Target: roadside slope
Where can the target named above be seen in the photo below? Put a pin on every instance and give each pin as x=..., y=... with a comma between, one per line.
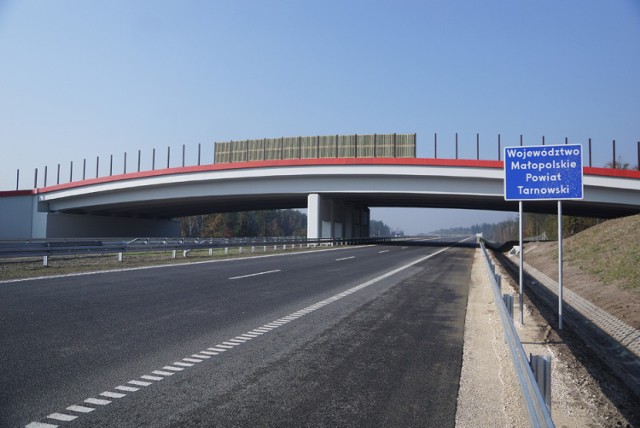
x=601, y=264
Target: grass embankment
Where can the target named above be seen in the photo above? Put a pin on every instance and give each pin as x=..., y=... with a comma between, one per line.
x=610, y=251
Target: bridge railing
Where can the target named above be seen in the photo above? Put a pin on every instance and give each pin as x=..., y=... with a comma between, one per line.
x=382, y=145
x=539, y=414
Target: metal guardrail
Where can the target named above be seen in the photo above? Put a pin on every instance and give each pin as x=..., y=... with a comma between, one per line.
x=47, y=248
x=539, y=414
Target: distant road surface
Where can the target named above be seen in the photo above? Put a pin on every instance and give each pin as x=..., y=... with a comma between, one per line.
x=359, y=336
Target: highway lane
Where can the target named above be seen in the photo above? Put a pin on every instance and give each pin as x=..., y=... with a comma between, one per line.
x=67, y=340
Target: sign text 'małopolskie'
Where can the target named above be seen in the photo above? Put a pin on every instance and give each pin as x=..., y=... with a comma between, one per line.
x=543, y=172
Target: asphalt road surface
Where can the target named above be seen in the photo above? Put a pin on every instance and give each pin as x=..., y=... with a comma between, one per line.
x=365, y=336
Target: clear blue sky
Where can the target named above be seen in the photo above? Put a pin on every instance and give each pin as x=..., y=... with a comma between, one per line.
x=80, y=79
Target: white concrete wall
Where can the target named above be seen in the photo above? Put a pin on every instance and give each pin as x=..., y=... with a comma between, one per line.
x=16, y=216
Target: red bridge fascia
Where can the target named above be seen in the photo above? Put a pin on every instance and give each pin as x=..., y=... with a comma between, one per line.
x=492, y=164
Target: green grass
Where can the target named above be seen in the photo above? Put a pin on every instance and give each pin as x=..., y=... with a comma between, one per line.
x=610, y=250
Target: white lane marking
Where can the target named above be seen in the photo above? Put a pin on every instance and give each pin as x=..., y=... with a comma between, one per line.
x=62, y=417
x=248, y=336
x=153, y=378
x=163, y=373
x=110, y=394
x=209, y=352
x=173, y=369
x=192, y=360
x=98, y=401
x=383, y=251
x=255, y=274
x=80, y=409
x=404, y=248
x=139, y=383
x=238, y=341
x=126, y=388
x=345, y=258
x=228, y=345
x=202, y=357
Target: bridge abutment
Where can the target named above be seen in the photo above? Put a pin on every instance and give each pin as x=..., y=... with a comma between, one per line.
x=329, y=218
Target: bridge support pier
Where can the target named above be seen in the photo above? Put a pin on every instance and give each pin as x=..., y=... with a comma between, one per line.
x=329, y=218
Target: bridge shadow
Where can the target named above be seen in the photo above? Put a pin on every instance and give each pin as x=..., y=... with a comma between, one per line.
x=432, y=243
x=614, y=368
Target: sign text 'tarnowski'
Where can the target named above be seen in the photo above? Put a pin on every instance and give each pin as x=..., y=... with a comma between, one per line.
x=543, y=172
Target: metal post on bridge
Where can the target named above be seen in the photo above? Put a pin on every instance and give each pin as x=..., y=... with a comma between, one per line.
x=435, y=145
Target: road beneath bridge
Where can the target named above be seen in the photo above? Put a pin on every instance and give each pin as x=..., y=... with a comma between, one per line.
x=357, y=336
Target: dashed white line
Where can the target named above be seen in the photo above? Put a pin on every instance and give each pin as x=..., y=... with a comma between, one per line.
x=181, y=364
x=345, y=258
x=40, y=425
x=154, y=378
x=192, y=360
x=126, y=388
x=110, y=394
x=255, y=274
x=162, y=373
x=62, y=417
x=217, y=349
x=98, y=401
x=383, y=251
x=202, y=357
x=139, y=383
x=80, y=409
x=173, y=369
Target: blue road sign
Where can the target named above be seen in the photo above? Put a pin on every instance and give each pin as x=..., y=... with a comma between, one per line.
x=543, y=172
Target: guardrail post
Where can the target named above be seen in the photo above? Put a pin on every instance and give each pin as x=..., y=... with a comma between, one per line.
x=508, y=302
x=541, y=368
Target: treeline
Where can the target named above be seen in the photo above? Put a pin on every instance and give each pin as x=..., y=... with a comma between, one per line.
x=256, y=224
x=542, y=226
x=259, y=224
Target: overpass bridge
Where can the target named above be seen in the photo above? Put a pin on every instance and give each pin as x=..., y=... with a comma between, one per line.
x=337, y=193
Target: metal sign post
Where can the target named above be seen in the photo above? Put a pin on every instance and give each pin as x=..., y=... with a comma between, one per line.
x=536, y=173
